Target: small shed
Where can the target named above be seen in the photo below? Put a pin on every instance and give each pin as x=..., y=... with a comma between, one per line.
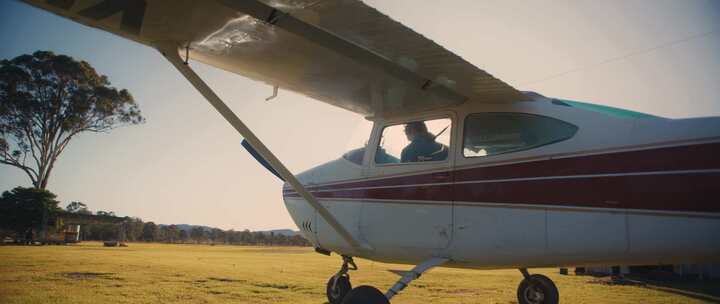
x=72, y=233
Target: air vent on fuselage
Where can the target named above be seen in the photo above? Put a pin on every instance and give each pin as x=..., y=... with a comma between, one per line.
x=307, y=226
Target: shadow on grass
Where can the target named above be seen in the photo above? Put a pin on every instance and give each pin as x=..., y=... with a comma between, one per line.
x=91, y=275
x=705, y=290
x=226, y=280
x=701, y=290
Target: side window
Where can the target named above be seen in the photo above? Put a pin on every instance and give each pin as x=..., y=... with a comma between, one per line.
x=496, y=133
x=416, y=141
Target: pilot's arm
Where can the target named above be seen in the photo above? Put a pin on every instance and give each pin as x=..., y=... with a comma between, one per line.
x=409, y=154
x=403, y=155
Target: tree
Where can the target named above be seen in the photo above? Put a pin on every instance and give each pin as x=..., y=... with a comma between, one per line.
x=100, y=231
x=150, y=232
x=217, y=235
x=105, y=213
x=183, y=235
x=45, y=101
x=246, y=237
x=197, y=233
x=259, y=238
x=77, y=207
x=24, y=209
x=171, y=234
x=134, y=229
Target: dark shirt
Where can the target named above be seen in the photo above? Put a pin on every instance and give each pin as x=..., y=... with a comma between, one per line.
x=423, y=148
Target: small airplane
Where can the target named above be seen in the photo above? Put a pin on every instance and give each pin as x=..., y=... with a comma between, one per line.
x=460, y=169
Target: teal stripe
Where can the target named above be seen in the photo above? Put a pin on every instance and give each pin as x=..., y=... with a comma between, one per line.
x=615, y=112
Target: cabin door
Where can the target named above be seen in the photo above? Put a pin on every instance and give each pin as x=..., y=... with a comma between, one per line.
x=408, y=193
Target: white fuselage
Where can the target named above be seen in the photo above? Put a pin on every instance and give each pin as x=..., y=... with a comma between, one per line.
x=620, y=191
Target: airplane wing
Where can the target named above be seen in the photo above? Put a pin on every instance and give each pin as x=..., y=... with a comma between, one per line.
x=341, y=52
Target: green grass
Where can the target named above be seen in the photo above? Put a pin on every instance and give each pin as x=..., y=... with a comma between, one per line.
x=157, y=273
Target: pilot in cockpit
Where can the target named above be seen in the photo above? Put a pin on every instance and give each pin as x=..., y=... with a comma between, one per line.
x=422, y=146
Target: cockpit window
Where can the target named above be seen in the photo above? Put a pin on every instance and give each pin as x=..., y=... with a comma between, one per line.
x=496, y=133
x=415, y=141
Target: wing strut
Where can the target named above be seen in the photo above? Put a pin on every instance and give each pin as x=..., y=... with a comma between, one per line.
x=170, y=51
x=408, y=276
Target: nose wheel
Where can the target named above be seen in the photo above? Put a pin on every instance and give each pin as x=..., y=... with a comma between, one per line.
x=365, y=295
x=338, y=286
x=537, y=289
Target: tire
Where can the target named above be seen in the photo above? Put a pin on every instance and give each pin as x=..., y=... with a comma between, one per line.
x=538, y=289
x=342, y=288
x=365, y=295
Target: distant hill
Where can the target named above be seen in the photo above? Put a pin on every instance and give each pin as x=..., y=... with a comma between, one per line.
x=188, y=227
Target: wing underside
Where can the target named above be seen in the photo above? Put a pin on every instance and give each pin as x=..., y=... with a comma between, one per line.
x=341, y=52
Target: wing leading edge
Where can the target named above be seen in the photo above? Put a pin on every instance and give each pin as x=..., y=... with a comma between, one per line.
x=341, y=52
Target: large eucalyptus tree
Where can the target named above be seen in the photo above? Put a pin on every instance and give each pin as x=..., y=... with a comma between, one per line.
x=48, y=99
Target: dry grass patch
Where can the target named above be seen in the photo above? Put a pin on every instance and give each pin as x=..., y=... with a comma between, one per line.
x=158, y=273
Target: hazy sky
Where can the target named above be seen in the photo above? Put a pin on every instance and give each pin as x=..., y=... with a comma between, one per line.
x=186, y=165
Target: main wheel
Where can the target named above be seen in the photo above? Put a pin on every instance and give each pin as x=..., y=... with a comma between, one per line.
x=538, y=289
x=365, y=295
x=341, y=289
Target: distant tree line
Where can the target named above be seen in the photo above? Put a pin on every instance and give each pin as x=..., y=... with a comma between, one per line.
x=136, y=230
x=23, y=211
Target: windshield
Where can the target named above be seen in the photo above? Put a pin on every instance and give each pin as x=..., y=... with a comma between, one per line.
x=357, y=141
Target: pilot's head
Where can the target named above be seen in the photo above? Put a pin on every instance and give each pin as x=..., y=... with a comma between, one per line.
x=415, y=129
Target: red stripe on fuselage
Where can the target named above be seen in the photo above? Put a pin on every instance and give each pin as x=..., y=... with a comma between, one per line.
x=695, y=192
x=695, y=157
x=566, y=182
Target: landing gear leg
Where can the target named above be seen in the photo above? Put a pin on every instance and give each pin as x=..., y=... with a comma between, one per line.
x=537, y=289
x=371, y=295
x=339, y=285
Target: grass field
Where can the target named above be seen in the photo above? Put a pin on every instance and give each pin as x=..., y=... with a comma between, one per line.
x=158, y=273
